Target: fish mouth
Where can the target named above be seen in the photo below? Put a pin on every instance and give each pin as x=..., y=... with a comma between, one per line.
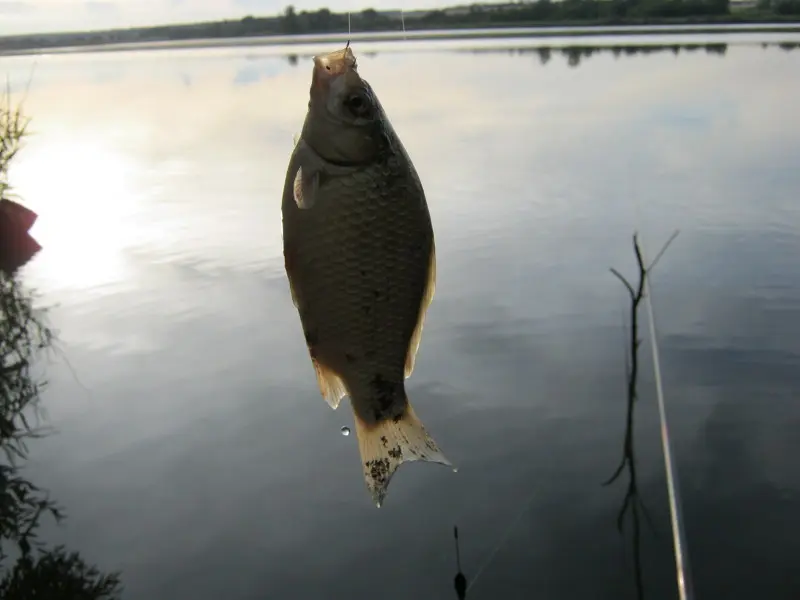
x=335, y=63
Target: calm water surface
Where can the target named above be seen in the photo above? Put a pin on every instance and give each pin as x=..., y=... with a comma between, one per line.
x=194, y=451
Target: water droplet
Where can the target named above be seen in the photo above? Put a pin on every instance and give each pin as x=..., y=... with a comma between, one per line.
x=345, y=431
x=455, y=469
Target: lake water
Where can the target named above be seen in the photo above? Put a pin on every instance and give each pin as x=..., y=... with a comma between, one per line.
x=194, y=452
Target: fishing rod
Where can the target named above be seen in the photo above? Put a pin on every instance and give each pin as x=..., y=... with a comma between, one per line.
x=685, y=587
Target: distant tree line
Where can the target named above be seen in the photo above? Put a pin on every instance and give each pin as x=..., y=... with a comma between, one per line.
x=517, y=13
x=780, y=7
x=539, y=12
x=583, y=10
x=523, y=13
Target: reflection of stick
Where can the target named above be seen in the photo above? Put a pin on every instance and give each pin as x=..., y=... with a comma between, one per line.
x=632, y=499
x=458, y=554
x=460, y=582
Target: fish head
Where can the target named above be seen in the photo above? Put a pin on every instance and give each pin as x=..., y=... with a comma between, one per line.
x=344, y=120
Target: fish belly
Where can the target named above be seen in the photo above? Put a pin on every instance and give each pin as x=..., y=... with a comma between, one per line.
x=358, y=264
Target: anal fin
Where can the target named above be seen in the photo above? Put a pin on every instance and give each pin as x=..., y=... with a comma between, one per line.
x=330, y=384
x=427, y=298
x=387, y=444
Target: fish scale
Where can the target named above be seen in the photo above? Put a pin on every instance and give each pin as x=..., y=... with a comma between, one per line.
x=346, y=261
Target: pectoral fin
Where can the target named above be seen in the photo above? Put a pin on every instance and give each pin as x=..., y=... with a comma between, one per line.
x=306, y=185
x=310, y=167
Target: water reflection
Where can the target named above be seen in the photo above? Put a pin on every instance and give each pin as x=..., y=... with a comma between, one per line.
x=28, y=567
x=91, y=205
x=577, y=53
x=460, y=580
x=632, y=502
x=187, y=457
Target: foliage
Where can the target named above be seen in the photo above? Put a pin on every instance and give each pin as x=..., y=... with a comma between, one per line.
x=12, y=130
x=37, y=572
x=57, y=574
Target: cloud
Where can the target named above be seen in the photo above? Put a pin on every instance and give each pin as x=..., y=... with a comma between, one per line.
x=35, y=16
x=14, y=7
x=40, y=16
x=105, y=7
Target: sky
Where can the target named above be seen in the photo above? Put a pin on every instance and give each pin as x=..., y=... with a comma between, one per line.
x=37, y=16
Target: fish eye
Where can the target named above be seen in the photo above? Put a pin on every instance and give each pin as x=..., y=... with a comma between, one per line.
x=357, y=105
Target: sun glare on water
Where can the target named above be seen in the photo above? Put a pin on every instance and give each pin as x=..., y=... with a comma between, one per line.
x=83, y=192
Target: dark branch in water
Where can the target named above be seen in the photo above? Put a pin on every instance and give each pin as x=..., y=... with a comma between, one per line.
x=631, y=500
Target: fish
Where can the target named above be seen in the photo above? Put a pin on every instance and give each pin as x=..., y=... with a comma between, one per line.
x=360, y=260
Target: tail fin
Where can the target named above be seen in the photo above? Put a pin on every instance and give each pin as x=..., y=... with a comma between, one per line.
x=387, y=444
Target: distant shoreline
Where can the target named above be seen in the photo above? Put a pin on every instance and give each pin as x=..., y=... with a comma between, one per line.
x=457, y=32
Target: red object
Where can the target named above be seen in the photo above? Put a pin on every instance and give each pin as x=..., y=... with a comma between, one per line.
x=24, y=217
x=17, y=247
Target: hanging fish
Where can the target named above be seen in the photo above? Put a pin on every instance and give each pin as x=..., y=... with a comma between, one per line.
x=360, y=258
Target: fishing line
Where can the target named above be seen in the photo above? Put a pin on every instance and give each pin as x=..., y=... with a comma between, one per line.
x=685, y=588
x=503, y=539
x=403, y=19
